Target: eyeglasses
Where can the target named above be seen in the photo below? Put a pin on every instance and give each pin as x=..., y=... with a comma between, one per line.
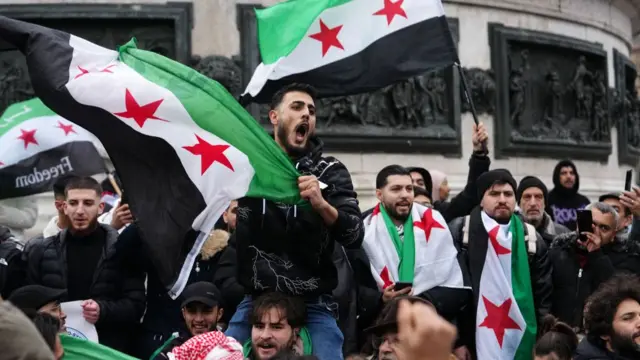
x=379, y=340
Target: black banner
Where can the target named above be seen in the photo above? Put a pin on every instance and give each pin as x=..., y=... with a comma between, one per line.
x=38, y=173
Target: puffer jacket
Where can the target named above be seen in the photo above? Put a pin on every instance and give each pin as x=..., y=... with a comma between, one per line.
x=117, y=287
x=576, y=274
x=594, y=349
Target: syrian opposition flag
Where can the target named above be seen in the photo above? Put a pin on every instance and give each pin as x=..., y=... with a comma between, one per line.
x=181, y=144
x=37, y=147
x=80, y=349
x=344, y=47
x=425, y=256
x=506, y=319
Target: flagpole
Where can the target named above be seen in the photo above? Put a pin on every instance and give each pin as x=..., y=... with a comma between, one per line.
x=465, y=89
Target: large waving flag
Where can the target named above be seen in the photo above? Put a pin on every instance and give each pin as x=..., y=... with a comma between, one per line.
x=182, y=146
x=80, y=349
x=37, y=147
x=348, y=46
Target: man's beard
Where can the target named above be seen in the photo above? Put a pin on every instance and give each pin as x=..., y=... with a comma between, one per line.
x=391, y=210
x=535, y=220
x=292, y=151
x=288, y=347
x=625, y=345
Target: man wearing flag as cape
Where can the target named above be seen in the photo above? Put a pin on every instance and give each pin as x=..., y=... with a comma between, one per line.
x=509, y=269
x=411, y=244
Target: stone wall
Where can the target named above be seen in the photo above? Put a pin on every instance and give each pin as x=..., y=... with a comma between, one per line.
x=607, y=23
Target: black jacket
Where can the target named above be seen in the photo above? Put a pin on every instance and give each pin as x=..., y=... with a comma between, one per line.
x=117, y=287
x=549, y=230
x=576, y=275
x=467, y=199
x=563, y=203
x=163, y=316
x=624, y=254
x=474, y=256
x=289, y=248
x=594, y=349
x=12, y=266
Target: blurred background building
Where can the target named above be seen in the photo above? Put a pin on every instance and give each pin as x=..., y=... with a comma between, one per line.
x=552, y=79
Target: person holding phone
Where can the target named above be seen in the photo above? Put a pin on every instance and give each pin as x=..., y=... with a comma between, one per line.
x=580, y=263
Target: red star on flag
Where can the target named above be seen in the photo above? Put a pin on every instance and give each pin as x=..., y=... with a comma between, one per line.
x=328, y=37
x=428, y=223
x=140, y=114
x=209, y=154
x=493, y=237
x=386, y=279
x=498, y=318
x=68, y=129
x=391, y=9
x=28, y=136
x=85, y=72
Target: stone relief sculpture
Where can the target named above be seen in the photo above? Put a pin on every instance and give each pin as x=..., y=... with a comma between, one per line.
x=518, y=88
x=221, y=69
x=482, y=86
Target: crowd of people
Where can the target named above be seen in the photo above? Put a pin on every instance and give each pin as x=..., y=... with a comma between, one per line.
x=501, y=270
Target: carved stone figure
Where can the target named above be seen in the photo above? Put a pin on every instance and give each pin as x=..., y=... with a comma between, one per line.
x=581, y=78
x=345, y=108
x=430, y=96
x=553, y=109
x=482, y=86
x=221, y=69
x=14, y=84
x=517, y=90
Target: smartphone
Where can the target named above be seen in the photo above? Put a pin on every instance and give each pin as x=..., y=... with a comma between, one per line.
x=402, y=285
x=627, y=181
x=124, y=199
x=585, y=223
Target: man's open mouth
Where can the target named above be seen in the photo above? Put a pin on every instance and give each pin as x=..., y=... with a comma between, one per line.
x=301, y=131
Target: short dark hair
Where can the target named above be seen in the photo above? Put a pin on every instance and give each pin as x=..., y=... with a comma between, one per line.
x=84, y=183
x=603, y=304
x=418, y=191
x=61, y=184
x=276, y=99
x=292, y=308
x=47, y=325
x=383, y=175
x=556, y=337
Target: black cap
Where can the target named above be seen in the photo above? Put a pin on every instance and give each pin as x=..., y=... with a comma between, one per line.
x=35, y=296
x=202, y=292
x=531, y=182
x=388, y=319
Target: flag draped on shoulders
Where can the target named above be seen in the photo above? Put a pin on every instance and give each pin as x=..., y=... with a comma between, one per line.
x=37, y=147
x=425, y=255
x=505, y=319
x=344, y=47
x=182, y=146
x=80, y=349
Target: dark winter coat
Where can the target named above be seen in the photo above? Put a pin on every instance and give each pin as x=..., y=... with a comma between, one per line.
x=290, y=248
x=163, y=316
x=594, y=349
x=117, y=288
x=576, y=275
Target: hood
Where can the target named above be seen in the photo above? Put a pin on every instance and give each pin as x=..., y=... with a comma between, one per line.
x=564, y=241
x=556, y=177
x=217, y=241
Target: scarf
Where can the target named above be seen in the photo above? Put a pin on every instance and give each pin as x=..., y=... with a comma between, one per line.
x=425, y=257
x=213, y=345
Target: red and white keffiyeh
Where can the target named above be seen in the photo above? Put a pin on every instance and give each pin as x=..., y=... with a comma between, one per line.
x=210, y=346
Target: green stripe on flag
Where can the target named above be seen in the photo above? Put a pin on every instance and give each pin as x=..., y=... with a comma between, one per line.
x=21, y=112
x=281, y=27
x=522, y=289
x=215, y=110
x=79, y=349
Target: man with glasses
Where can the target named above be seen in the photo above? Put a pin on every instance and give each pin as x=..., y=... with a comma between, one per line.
x=581, y=261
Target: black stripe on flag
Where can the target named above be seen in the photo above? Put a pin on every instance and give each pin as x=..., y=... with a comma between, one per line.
x=411, y=51
x=163, y=199
x=38, y=173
